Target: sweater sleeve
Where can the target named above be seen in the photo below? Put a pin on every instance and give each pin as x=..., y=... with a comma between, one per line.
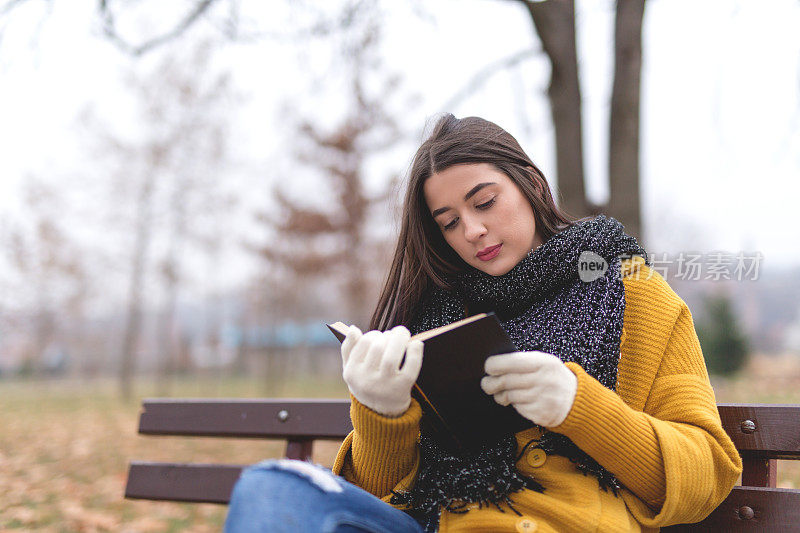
x=674, y=458
x=381, y=453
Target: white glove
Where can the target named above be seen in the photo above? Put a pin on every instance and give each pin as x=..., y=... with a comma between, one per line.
x=371, y=368
x=539, y=386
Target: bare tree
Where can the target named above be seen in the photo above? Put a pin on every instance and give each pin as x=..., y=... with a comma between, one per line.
x=554, y=21
x=332, y=241
x=199, y=149
x=173, y=171
x=51, y=268
x=623, y=150
x=143, y=230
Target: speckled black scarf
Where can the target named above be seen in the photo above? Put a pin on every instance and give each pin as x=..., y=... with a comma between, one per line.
x=543, y=305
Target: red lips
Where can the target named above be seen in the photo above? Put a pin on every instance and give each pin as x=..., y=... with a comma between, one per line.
x=489, y=253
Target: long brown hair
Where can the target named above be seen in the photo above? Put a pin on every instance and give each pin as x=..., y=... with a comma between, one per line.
x=423, y=258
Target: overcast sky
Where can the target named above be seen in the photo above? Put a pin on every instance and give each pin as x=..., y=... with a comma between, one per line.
x=720, y=102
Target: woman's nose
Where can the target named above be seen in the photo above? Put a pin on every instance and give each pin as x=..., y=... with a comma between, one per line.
x=473, y=229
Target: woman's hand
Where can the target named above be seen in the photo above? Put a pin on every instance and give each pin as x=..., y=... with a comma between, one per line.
x=539, y=386
x=371, y=368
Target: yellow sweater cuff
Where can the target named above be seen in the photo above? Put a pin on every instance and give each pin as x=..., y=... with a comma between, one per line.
x=382, y=434
x=382, y=450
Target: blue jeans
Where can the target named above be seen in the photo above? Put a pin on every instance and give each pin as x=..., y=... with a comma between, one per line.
x=298, y=497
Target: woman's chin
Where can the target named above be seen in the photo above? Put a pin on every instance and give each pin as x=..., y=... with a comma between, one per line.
x=494, y=268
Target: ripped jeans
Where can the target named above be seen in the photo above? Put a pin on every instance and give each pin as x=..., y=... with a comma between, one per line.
x=299, y=497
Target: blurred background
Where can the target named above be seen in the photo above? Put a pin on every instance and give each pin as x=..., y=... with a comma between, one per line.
x=190, y=190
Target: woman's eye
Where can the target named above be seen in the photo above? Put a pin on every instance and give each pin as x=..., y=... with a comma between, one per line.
x=486, y=205
x=451, y=224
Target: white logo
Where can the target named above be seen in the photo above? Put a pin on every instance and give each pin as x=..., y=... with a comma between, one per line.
x=591, y=266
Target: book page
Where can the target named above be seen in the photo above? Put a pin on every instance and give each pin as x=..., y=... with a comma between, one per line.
x=436, y=331
x=342, y=328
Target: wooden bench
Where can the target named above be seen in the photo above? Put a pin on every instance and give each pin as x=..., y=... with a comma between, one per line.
x=761, y=433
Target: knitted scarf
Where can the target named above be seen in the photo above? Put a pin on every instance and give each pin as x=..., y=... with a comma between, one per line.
x=545, y=306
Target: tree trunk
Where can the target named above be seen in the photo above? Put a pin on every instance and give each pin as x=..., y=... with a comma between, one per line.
x=554, y=21
x=623, y=157
x=171, y=279
x=134, y=320
x=166, y=346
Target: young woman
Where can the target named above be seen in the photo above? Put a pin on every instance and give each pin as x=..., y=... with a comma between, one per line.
x=624, y=434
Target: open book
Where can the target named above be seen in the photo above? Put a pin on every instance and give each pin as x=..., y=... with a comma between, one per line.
x=448, y=387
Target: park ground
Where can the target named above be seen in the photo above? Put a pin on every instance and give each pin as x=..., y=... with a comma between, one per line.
x=65, y=446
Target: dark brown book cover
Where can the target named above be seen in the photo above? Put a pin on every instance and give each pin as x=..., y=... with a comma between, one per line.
x=448, y=386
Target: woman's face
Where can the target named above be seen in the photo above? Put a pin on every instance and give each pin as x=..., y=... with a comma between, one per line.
x=483, y=216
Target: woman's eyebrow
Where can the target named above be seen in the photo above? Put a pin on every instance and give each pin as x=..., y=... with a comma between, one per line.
x=472, y=192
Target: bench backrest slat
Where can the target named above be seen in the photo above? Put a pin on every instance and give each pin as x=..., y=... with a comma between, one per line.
x=269, y=418
x=774, y=433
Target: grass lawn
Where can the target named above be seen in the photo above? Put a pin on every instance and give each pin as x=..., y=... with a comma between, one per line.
x=65, y=445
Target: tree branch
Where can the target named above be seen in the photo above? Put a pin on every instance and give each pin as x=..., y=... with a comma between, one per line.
x=483, y=75
x=110, y=30
x=9, y=5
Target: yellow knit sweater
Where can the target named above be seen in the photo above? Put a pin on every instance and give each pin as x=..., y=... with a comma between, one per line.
x=660, y=434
